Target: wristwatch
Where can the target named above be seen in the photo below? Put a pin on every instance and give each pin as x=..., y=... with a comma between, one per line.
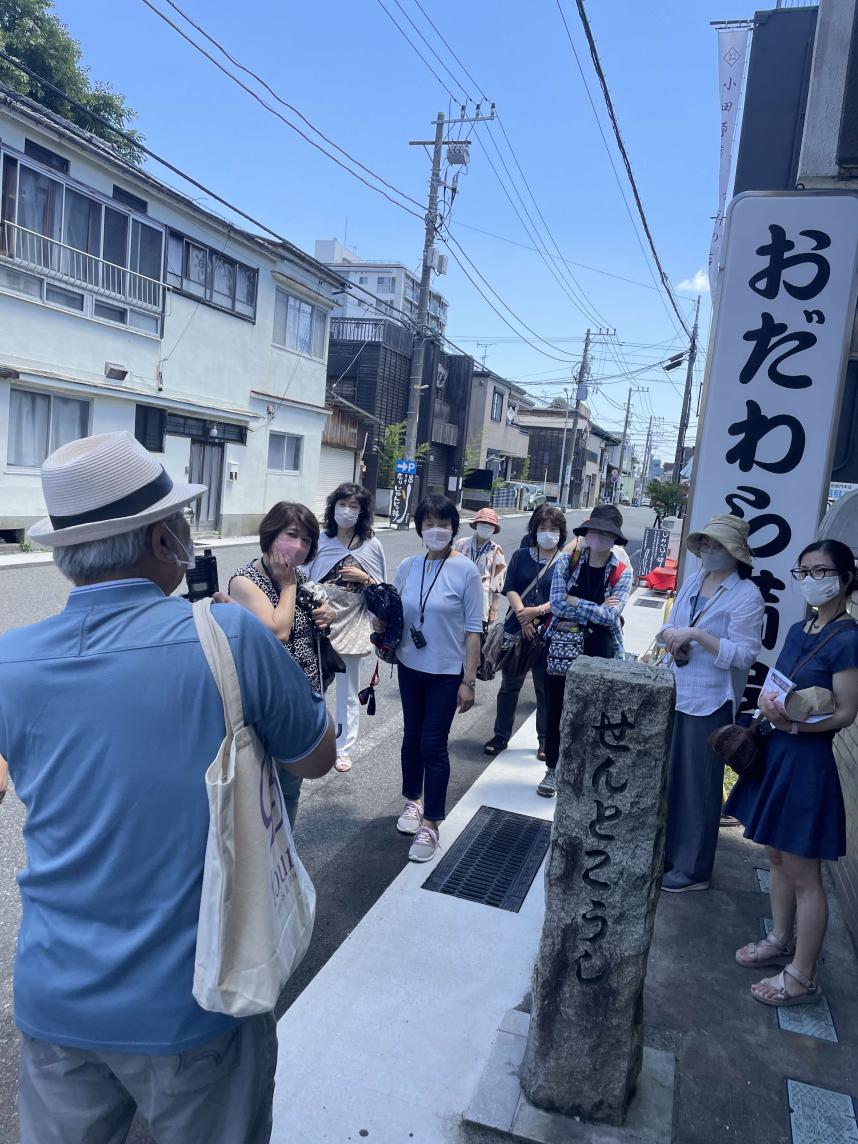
x=470, y=683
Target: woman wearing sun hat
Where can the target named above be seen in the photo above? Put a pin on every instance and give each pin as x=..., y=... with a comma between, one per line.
x=714, y=634
x=488, y=556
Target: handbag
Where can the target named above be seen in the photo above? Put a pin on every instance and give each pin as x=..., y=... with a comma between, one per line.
x=366, y=695
x=565, y=644
x=742, y=746
x=258, y=903
x=495, y=649
x=331, y=662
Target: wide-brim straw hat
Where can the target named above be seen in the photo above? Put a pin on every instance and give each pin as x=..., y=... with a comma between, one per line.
x=103, y=486
x=604, y=518
x=486, y=516
x=730, y=531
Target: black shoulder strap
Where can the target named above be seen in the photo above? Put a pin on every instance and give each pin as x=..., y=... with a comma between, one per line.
x=833, y=631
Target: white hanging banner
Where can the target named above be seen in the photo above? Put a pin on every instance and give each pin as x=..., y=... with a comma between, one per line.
x=774, y=376
x=732, y=49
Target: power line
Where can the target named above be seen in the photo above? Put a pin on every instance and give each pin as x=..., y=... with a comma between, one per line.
x=274, y=111
x=434, y=53
x=285, y=103
x=597, y=64
x=405, y=36
x=450, y=50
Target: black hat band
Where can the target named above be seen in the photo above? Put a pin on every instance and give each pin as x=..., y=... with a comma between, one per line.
x=131, y=505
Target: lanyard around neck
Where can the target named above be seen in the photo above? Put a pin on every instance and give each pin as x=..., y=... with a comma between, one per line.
x=424, y=599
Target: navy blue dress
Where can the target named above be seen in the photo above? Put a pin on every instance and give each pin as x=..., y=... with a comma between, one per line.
x=795, y=802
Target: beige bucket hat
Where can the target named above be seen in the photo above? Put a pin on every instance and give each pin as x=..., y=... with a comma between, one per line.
x=103, y=486
x=730, y=531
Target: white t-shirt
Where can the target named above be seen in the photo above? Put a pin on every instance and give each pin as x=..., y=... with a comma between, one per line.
x=454, y=607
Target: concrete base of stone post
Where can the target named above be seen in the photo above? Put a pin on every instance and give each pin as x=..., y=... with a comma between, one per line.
x=585, y=1042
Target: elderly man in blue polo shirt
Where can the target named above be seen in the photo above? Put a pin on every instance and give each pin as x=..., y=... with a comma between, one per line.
x=109, y=717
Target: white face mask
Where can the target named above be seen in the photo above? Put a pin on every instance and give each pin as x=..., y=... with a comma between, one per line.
x=437, y=539
x=346, y=517
x=716, y=560
x=818, y=592
x=188, y=560
x=548, y=539
x=484, y=531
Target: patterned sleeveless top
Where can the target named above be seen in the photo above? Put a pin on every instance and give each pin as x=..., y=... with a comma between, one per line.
x=301, y=644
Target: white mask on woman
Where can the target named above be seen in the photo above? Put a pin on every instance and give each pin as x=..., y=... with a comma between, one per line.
x=818, y=592
x=437, y=539
x=548, y=539
x=484, y=531
x=346, y=517
x=716, y=560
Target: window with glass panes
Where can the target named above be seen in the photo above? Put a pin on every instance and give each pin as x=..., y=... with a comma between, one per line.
x=210, y=275
x=284, y=452
x=40, y=422
x=298, y=325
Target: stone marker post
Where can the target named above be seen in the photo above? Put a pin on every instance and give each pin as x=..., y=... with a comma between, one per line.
x=585, y=1044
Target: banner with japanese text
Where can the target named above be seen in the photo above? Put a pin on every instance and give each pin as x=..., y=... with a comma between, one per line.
x=774, y=376
x=732, y=50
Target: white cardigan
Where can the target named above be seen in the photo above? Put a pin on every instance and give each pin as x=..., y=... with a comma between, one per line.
x=735, y=616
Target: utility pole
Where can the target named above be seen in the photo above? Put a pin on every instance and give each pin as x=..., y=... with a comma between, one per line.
x=686, y=397
x=416, y=379
x=618, y=486
x=647, y=458
x=562, y=481
x=583, y=372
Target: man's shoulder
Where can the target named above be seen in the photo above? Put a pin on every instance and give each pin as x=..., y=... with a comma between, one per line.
x=27, y=643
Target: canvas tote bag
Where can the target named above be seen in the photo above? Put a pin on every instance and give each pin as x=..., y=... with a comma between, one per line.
x=258, y=903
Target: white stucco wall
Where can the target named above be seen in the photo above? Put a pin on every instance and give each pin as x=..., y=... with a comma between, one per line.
x=206, y=364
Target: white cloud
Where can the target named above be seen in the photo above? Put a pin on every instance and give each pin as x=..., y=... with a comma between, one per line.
x=699, y=284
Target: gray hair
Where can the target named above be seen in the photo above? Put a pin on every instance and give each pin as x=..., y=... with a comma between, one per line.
x=97, y=559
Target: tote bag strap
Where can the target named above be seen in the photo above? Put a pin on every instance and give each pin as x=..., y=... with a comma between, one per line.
x=835, y=630
x=219, y=657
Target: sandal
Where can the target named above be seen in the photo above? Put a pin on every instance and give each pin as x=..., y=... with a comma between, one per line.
x=812, y=993
x=769, y=951
x=540, y=754
x=343, y=764
x=495, y=745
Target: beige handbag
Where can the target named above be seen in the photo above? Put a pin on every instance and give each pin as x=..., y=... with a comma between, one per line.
x=258, y=903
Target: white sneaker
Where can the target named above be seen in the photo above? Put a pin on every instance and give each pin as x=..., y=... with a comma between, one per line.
x=424, y=845
x=410, y=819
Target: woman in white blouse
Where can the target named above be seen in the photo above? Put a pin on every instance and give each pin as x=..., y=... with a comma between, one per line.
x=714, y=634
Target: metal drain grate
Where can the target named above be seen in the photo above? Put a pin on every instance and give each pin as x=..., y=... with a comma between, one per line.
x=494, y=860
x=649, y=603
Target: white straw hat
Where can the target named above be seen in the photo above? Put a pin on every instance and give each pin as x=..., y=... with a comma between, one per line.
x=103, y=486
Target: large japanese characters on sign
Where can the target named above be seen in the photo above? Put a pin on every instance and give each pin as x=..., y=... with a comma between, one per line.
x=773, y=382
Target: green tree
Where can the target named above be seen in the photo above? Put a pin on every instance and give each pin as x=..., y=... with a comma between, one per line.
x=666, y=498
x=525, y=469
x=31, y=33
x=391, y=449
x=472, y=458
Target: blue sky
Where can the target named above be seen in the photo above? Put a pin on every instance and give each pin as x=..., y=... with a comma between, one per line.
x=348, y=69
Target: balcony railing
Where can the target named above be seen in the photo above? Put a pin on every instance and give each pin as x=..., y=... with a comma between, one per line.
x=61, y=263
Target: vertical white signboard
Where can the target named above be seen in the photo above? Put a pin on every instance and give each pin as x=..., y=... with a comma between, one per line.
x=732, y=50
x=783, y=323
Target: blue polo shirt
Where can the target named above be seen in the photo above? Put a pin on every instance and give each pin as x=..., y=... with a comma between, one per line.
x=109, y=718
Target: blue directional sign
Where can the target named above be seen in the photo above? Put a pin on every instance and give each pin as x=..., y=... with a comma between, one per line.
x=407, y=467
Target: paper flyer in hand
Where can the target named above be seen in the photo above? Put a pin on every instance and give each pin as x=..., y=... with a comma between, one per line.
x=782, y=685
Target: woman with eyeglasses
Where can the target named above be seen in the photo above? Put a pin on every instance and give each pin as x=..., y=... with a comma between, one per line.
x=793, y=803
x=714, y=634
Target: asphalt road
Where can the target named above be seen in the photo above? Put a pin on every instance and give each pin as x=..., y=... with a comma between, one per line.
x=346, y=823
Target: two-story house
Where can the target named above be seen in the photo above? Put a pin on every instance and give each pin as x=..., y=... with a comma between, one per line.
x=126, y=305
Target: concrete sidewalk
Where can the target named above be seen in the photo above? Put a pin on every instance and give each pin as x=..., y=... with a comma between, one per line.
x=390, y=1038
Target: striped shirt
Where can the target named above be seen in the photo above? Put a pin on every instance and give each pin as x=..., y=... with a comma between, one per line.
x=734, y=614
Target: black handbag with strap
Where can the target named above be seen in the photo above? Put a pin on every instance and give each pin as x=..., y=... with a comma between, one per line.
x=741, y=746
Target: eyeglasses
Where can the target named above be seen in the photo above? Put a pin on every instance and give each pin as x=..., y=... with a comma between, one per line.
x=817, y=573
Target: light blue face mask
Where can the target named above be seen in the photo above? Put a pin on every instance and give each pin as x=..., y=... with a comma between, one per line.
x=189, y=558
